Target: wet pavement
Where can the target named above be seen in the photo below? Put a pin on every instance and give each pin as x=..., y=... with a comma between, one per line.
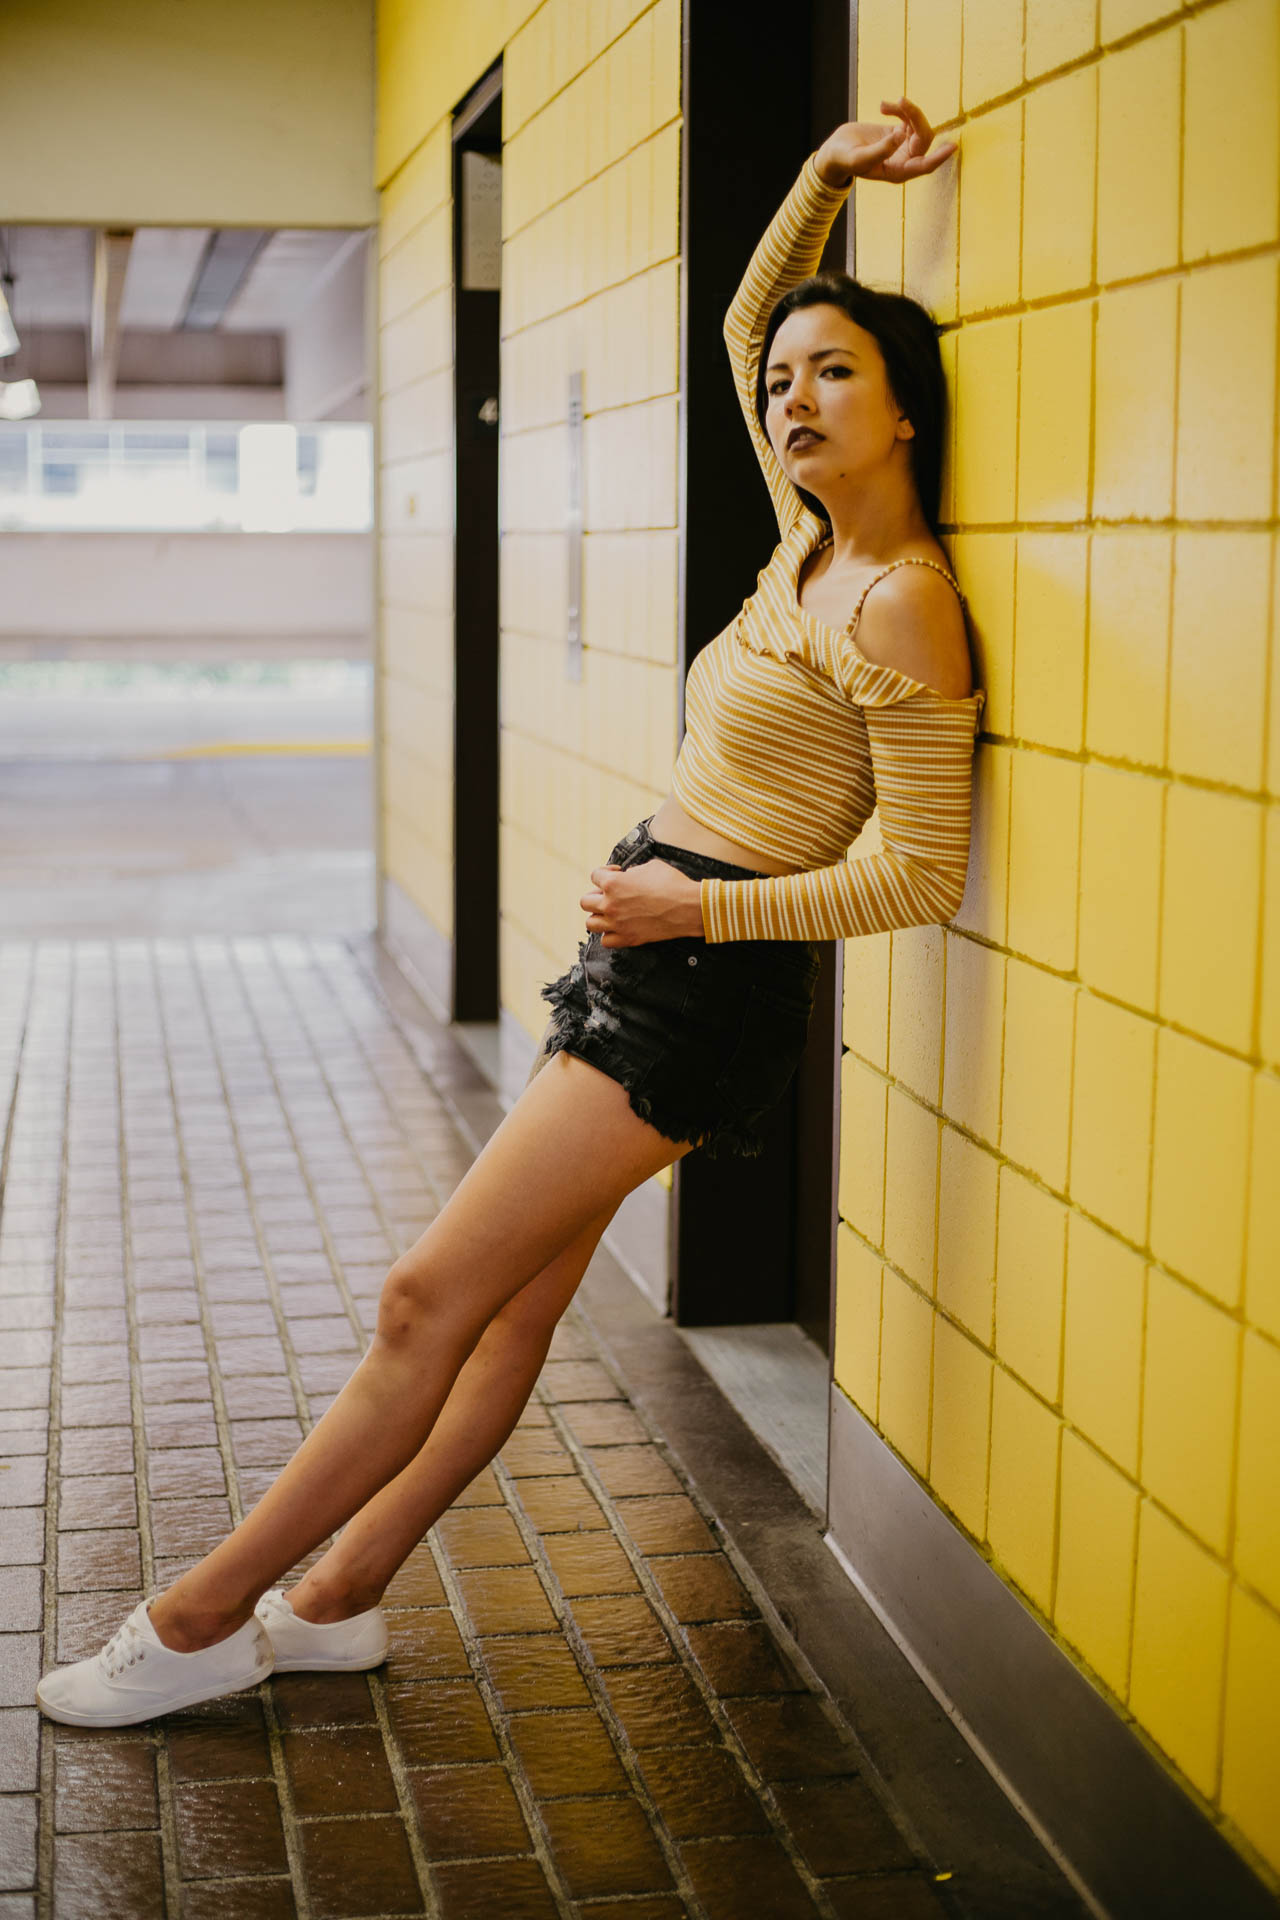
x=214, y=1149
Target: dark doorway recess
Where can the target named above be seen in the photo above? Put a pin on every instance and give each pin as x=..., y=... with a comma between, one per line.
x=477, y=130
x=753, y=1239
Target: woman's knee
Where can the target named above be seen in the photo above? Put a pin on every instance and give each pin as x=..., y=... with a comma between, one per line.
x=412, y=1303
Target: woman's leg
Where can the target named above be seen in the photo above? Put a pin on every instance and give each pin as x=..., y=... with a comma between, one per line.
x=570, y=1150
x=487, y=1400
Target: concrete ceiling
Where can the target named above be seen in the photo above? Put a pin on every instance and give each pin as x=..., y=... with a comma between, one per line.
x=53, y=277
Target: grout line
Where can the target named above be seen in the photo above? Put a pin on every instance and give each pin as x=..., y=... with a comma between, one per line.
x=166, y=1809
x=49, y=1623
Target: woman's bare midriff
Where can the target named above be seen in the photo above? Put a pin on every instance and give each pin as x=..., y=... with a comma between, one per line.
x=672, y=824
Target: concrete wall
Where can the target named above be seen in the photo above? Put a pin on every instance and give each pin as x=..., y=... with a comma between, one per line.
x=65, y=586
x=215, y=113
x=1059, y=1293
x=326, y=361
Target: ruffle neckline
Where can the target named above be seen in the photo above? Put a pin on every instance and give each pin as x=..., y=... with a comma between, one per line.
x=828, y=651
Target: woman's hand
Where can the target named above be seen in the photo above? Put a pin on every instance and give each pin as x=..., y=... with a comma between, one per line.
x=866, y=150
x=630, y=906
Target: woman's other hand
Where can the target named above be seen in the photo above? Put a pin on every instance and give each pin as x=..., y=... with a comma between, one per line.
x=629, y=906
x=866, y=150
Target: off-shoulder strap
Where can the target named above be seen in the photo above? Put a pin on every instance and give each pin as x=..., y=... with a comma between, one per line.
x=911, y=560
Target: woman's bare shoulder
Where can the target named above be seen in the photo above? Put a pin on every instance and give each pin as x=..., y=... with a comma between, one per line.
x=912, y=620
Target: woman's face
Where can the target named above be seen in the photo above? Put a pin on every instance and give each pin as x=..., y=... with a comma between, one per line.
x=831, y=414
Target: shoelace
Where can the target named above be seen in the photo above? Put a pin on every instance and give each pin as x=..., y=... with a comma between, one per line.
x=124, y=1649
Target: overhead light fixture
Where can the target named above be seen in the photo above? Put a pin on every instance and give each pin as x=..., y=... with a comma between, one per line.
x=8, y=332
x=19, y=399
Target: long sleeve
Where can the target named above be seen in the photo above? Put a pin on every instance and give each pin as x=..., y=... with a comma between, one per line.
x=922, y=759
x=790, y=250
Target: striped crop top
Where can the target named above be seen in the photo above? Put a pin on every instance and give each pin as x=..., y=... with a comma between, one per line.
x=793, y=737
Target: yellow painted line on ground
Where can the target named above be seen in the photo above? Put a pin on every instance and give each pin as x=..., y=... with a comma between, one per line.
x=214, y=749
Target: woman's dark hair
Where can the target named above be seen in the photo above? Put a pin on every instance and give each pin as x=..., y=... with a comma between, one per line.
x=907, y=335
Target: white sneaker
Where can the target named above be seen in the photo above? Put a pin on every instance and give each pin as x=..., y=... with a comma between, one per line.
x=337, y=1646
x=136, y=1677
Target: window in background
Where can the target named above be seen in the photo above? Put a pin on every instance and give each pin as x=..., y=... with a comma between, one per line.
x=129, y=476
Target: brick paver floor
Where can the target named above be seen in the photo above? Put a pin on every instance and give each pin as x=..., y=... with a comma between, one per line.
x=213, y=1150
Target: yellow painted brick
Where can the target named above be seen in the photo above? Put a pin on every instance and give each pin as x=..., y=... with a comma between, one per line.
x=878, y=231
x=1139, y=114
x=1056, y=34
x=1200, y=1158
x=986, y=412
x=1233, y=51
x=961, y=1426
x=1250, y=1750
x=1209, y=922
x=1218, y=669
x=1048, y=681
x=1262, y=1272
x=1133, y=403
x=1093, y=1597
x=1102, y=1340
x=1030, y=1264
x=1120, y=17
x=990, y=187
x=1053, y=431
x=866, y=997
x=1179, y=1644
x=664, y=194
x=992, y=49
x=984, y=908
x=974, y=1028
x=1035, y=1106
x=666, y=62
x=1120, y=860
x=1044, y=865
x=862, y=1148
x=915, y=1021
x=1111, y=1110
x=931, y=238
x=984, y=565
x=1226, y=385
x=1022, y=1502
x=906, y=1341
x=967, y=1233
x=1189, y=1392
x=911, y=1187
x=1257, y=1542
x=1057, y=189
x=1273, y=729
x=857, y=1332
x=933, y=58
x=1129, y=607
x=882, y=41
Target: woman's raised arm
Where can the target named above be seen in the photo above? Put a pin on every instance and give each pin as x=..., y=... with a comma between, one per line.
x=792, y=248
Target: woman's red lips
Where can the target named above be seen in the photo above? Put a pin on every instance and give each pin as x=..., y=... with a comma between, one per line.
x=801, y=435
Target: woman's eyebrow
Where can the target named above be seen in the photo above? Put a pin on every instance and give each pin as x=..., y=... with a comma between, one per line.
x=823, y=353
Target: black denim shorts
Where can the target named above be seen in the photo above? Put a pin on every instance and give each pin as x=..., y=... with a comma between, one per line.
x=704, y=1038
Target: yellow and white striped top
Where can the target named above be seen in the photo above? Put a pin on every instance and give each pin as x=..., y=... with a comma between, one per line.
x=793, y=735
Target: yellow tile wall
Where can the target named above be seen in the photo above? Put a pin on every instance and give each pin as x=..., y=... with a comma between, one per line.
x=591, y=281
x=1060, y=1238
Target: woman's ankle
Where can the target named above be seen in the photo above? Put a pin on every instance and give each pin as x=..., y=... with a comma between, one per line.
x=324, y=1602
x=184, y=1628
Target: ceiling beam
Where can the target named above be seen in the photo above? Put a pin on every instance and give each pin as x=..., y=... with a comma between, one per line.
x=110, y=264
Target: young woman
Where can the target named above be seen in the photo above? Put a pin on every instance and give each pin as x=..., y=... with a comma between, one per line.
x=686, y=1012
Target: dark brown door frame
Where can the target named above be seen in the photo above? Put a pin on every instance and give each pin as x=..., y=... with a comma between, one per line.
x=752, y=1240
x=477, y=127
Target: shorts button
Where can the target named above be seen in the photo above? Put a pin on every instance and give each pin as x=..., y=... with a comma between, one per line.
x=693, y=959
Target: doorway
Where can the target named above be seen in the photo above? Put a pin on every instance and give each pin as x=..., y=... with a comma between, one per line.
x=753, y=1241
x=477, y=275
